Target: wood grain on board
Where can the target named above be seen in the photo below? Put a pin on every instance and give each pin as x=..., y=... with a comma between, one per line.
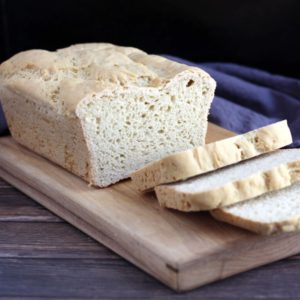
x=182, y=250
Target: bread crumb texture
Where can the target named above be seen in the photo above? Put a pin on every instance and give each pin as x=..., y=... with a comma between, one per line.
x=274, y=212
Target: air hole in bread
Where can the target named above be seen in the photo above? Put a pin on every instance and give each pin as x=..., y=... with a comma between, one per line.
x=190, y=83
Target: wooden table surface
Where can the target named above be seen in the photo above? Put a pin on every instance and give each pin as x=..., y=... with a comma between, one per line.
x=41, y=256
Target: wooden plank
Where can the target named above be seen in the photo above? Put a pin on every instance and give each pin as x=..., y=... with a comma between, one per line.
x=26, y=214
x=17, y=207
x=48, y=240
x=70, y=278
x=5, y=185
x=117, y=279
x=182, y=250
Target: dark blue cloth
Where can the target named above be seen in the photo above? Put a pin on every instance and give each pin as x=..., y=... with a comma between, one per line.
x=247, y=98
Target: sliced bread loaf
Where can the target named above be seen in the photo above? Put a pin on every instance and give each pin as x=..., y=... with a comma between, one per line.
x=274, y=212
x=199, y=160
x=102, y=111
x=233, y=184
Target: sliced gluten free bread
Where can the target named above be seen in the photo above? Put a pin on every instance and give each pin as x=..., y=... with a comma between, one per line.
x=199, y=160
x=274, y=212
x=234, y=183
x=103, y=111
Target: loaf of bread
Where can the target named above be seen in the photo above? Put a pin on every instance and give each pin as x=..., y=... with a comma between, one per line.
x=103, y=111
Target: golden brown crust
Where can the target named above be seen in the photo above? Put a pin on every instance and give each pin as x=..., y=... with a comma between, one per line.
x=230, y=193
x=180, y=166
x=64, y=77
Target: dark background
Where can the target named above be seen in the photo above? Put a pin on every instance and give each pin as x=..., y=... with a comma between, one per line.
x=263, y=34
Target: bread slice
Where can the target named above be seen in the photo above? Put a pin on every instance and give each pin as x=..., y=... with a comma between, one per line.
x=102, y=111
x=180, y=166
x=233, y=184
x=271, y=213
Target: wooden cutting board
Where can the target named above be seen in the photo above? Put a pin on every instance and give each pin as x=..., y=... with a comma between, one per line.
x=183, y=250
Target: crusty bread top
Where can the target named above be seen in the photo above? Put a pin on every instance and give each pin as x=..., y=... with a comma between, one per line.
x=64, y=77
